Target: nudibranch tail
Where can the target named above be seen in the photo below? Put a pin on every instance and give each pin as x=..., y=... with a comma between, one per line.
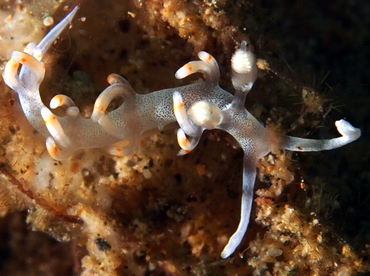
x=51, y=36
x=26, y=82
x=38, y=51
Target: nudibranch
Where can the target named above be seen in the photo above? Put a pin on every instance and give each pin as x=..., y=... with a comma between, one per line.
x=195, y=107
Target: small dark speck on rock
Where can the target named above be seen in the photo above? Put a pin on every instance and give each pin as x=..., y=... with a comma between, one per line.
x=102, y=245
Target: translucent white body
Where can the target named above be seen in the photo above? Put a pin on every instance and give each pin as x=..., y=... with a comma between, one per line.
x=210, y=107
